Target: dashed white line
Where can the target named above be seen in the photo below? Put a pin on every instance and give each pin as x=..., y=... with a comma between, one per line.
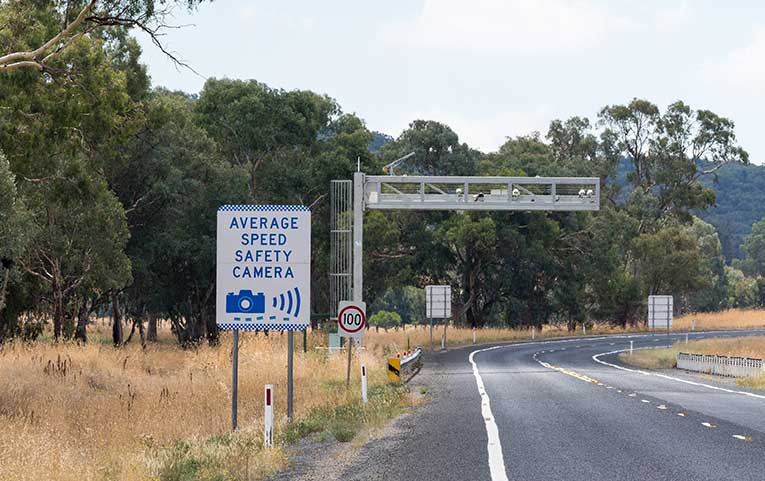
x=645, y=401
x=709, y=425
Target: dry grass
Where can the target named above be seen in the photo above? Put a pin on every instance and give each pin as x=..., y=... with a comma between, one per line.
x=93, y=412
x=729, y=319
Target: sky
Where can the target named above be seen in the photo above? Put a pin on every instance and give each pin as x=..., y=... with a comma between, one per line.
x=490, y=69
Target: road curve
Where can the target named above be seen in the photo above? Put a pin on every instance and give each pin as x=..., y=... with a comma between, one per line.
x=568, y=410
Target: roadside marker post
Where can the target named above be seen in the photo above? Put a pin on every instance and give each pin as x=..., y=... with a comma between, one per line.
x=443, y=342
x=686, y=338
x=364, y=383
x=533, y=332
x=584, y=330
x=268, y=433
x=263, y=277
x=631, y=348
x=474, y=335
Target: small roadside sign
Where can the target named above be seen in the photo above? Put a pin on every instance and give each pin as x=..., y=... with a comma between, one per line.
x=351, y=319
x=438, y=302
x=660, y=310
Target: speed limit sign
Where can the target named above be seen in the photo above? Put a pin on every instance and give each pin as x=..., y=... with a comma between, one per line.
x=351, y=319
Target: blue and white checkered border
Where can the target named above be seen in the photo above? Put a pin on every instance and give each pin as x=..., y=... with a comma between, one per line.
x=262, y=327
x=263, y=208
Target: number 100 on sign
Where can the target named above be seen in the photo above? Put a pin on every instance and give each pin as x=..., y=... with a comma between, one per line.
x=351, y=319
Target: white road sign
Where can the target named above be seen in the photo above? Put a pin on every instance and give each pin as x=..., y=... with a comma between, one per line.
x=351, y=319
x=660, y=312
x=438, y=302
x=263, y=267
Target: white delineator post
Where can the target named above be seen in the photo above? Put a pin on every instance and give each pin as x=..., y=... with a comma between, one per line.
x=474, y=335
x=630, y=348
x=364, y=383
x=533, y=332
x=584, y=330
x=443, y=342
x=268, y=433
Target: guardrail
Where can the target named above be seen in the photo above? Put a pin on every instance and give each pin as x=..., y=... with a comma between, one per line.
x=720, y=365
x=401, y=365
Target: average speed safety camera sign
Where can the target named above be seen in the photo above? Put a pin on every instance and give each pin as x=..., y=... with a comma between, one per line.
x=351, y=319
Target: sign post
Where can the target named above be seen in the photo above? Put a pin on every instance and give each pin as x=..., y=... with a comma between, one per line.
x=351, y=321
x=234, y=378
x=263, y=279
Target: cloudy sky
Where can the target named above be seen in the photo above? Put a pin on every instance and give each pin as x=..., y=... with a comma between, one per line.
x=488, y=68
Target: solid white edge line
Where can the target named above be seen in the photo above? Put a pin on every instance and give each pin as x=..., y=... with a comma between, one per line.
x=494, y=447
x=597, y=359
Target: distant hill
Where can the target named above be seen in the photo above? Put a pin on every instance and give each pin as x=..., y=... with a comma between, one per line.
x=740, y=202
x=378, y=140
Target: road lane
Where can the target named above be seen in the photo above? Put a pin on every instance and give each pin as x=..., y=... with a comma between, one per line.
x=555, y=424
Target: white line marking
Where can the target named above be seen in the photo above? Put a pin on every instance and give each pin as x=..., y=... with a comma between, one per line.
x=645, y=401
x=597, y=359
x=709, y=425
x=494, y=447
x=661, y=406
x=681, y=414
x=742, y=438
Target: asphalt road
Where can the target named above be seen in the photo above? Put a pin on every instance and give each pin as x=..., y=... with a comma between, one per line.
x=550, y=411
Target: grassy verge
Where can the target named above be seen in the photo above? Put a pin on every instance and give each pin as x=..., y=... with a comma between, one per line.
x=750, y=346
x=242, y=456
x=651, y=358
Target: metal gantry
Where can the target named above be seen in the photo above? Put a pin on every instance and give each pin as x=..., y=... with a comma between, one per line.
x=447, y=193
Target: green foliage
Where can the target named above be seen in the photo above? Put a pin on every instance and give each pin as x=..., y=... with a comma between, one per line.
x=754, y=249
x=385, y=319
x=407, y=301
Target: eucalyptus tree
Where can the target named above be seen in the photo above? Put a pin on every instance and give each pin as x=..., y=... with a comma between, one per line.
x=35, y=34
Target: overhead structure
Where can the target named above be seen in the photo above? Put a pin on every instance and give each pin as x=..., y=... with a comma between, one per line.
x=481, y=193
x=458, y=193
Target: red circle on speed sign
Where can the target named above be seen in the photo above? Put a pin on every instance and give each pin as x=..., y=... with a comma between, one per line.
x=351, y=319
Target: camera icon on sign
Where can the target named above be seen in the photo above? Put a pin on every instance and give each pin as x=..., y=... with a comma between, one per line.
x=246, y=302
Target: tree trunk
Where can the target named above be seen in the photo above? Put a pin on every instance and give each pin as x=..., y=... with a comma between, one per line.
x=141, y=334
x=117, y=335
x=58, y=304
x=6, y=270
x=151, y=335
x=81, y=332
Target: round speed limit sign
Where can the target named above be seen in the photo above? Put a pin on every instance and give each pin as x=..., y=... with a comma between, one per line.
x=351, y=319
